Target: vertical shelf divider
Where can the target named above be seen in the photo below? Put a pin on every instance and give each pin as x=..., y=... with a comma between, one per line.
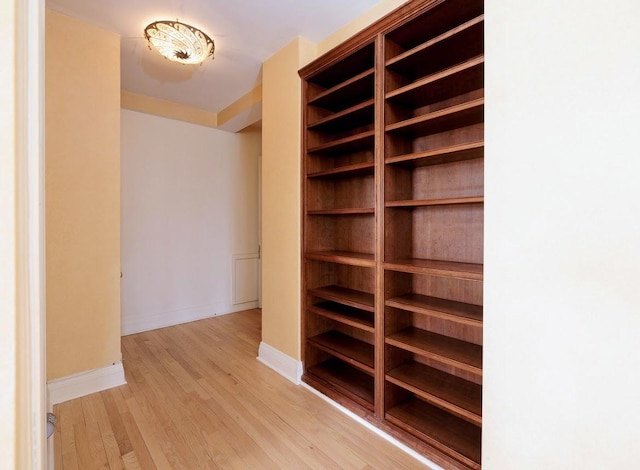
x=379, y=234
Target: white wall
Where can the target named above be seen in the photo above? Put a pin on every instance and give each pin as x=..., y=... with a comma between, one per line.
x=189, y=202
x=562, y=257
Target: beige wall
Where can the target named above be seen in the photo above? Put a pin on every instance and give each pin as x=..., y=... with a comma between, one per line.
x=82, y=196
x=281, y=231
x=354, y=27
x=168, y=109
x=281, y=121
x=241, y=105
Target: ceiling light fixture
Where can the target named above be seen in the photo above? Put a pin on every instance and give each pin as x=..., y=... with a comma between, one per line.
x=179, y=42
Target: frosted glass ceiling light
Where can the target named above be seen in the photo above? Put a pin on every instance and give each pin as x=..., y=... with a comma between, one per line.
x=179, y=42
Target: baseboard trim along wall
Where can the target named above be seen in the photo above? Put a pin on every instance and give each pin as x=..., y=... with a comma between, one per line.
x=379, y=432
x=291, y=369
x=284, y=365
x=162, y=320
x=85, y=383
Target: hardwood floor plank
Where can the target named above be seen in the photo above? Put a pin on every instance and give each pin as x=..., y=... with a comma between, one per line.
x=67, y=436
x=180, y=420
x=96, y=445
x=152, y=403
x=196, y=397
x=83, y=447
x=269, y=438
x=131, y=461
x=129, y=427
x=110, y=447
x=256, y=420
x=150, y=436
x=57, y=449
x=221, y=451
x=115, y=420
x=219, y=416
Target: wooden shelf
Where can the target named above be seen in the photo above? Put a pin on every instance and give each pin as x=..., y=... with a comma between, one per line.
x=453, y=81
x=344, y=314
x=355, y=116
x=346, y=379
x=473, y=272
x=419, y=54
x=448, y=433
x=453, y=153
x=345, y=296
x=351, y=350
x=440, y=52
x=343, y=257
x=466, y=314
x=458, y=396
x=453, y=117
x=438, y=20
x=351, y=91
x=446, y=350
x=343, y=211
x=347, y=171
x=353, y=143
x=342, y=70
x=435, y=202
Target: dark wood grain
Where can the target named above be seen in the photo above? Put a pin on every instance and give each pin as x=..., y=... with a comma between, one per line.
x=436, y=202
x=355, y=116
x=360, y=58
x=456, y=270
x=354, y=192
x=458, y=312
x=344, y=314
x=351, y=143
x=343, y=211
x=344, y=257
x=460, y=397
x=449, y=433
x=393, y=223
x=340, y=232
x=353, y=351
x=452, y=47
x=355, y=169
x=316, y=163
x=460, y=354
x=343, y=384
x=459, y=152
x=345, y=296
x=353, y=90
x=417, y=53
x=445, y=84
x=448, y=232
x=449, y=118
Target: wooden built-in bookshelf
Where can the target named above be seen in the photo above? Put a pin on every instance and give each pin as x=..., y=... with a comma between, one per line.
x=393, y=222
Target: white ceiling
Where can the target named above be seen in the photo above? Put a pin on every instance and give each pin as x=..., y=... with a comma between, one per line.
x=246, y=32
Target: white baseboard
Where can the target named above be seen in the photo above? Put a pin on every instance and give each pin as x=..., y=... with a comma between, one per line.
x=284, y=365
x=422, y=459
x=138, y=324
x=85, y=383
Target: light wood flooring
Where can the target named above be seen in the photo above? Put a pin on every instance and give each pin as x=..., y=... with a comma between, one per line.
x=196, y=397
